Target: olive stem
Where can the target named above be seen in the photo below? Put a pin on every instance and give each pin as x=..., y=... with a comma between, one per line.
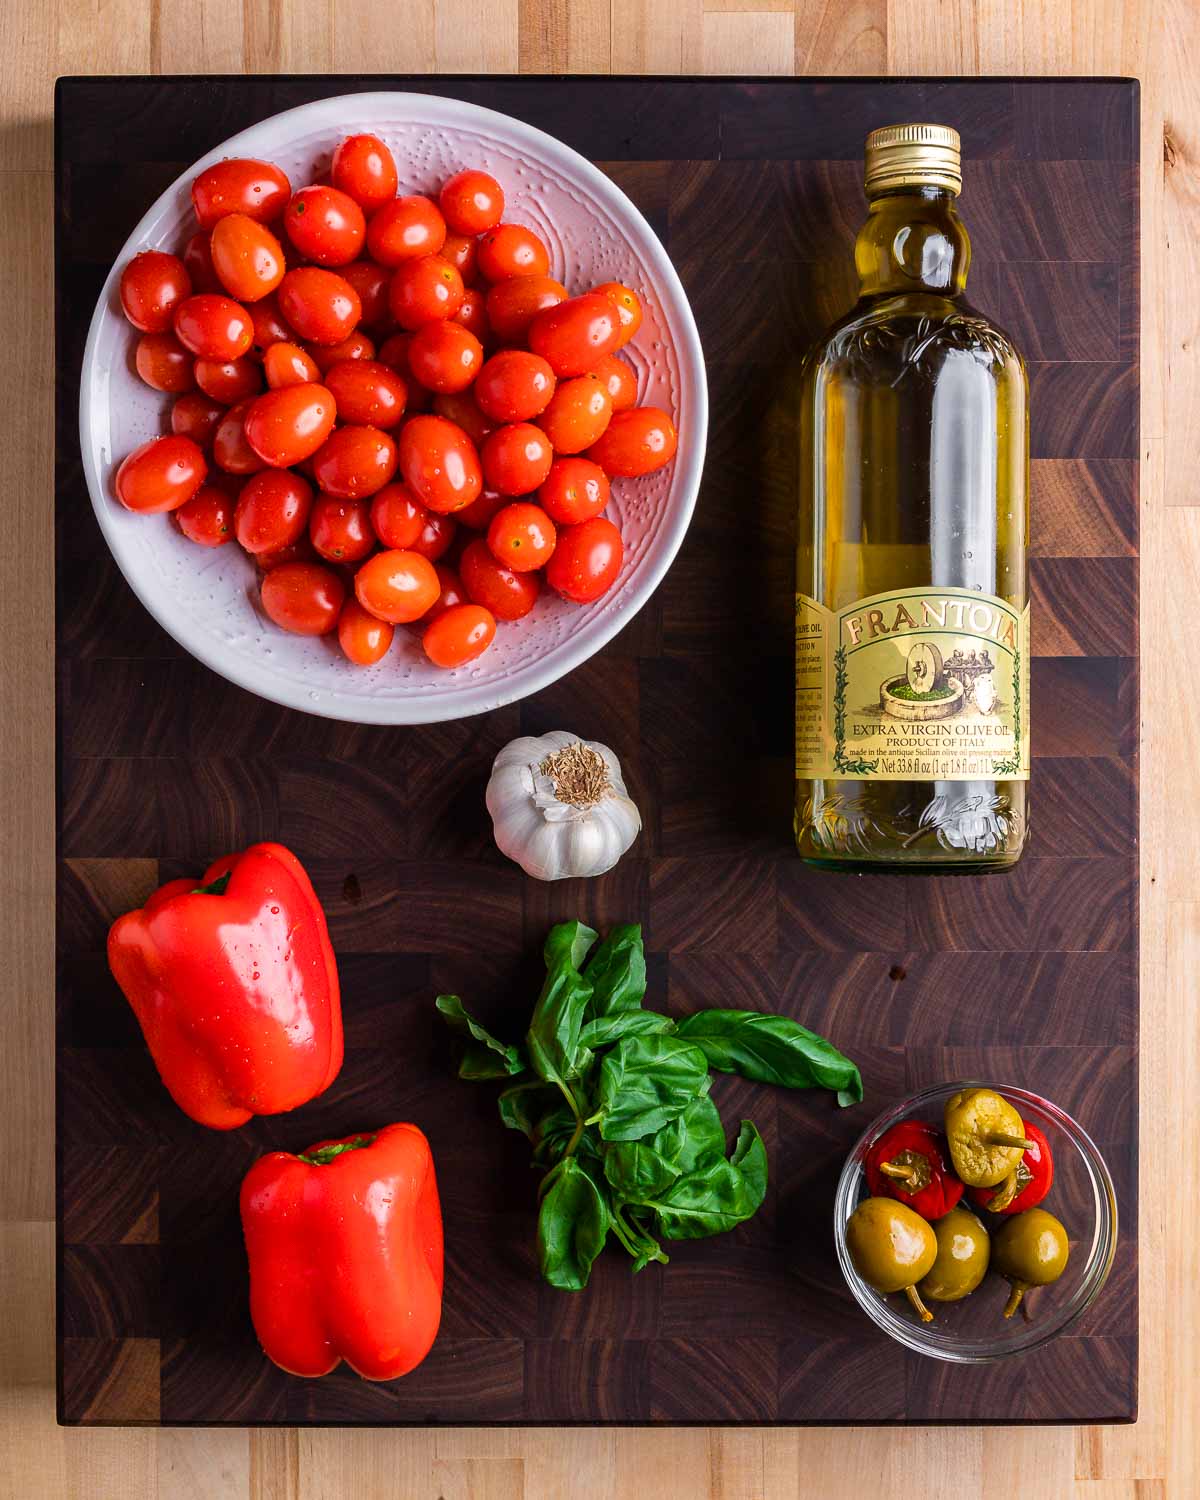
x=900, y=1173
x=1002, y=1138
x=1019, y=1288
x=919, y=1307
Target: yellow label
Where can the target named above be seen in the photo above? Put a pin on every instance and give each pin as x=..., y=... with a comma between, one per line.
x=914, y=685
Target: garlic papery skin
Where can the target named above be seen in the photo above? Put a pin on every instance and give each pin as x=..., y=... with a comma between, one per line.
x=559, y=806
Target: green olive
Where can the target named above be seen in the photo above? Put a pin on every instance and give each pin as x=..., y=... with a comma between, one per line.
x=891, y=1248
x=963, y=1251
x=1031, y=1249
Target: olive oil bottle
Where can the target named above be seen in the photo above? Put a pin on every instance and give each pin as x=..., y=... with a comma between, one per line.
x=912, y=625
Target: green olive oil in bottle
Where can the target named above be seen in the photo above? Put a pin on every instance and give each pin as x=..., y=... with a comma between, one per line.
x=912, y=622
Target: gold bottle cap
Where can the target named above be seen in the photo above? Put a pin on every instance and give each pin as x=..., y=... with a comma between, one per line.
x=900, y=156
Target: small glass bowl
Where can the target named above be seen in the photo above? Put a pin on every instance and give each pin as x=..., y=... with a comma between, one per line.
x=974, y=1330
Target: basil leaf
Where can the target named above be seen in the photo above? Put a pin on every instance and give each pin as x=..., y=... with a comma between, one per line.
x=475, y=1064
x=772, y=1049
x=524, y=1104
x=553, y=1036
x=637, y=1172
x=719, y=1196
x=618, y=972
x=573, y=1223
x=605, y=1030
x=553, y=1132
x=646, y=1081
x=695, y=1139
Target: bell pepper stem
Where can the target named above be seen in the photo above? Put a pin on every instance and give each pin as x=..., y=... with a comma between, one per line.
x=1015, y=1299
x=897, y=1171
x=1004, y=1194
x=326, y=1154
x=216, y=887
x=1002, y=1138
x=919, y=1307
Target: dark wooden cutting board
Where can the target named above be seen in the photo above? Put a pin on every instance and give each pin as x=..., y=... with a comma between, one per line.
x=755, y=188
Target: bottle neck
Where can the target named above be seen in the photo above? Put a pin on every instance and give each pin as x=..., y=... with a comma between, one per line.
x=913, y=241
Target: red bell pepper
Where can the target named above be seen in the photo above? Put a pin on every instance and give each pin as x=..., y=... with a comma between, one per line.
x=1035, y=1173
x=345, y=1250
x=235, y=986
x=908, y=1162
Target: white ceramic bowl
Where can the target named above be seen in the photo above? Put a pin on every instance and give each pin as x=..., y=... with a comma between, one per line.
x=208, y=599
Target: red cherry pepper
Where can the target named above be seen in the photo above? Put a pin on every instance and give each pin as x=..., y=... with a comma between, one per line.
x=345, y=1250
x=1035, y=1173
x=235, y=986
x=908, y=1162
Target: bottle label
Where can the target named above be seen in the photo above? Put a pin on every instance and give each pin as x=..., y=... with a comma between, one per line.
x=914, y=685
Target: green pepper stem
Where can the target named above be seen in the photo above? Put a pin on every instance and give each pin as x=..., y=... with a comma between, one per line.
x=215, y=888
x=1004, y=1194
x=1002, y=1138
x=919, y=1307
x=901, y=1174
x=1019, y=1288
x=326, y=1154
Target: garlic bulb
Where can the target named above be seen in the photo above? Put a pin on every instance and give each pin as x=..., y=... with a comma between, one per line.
x=559, y=806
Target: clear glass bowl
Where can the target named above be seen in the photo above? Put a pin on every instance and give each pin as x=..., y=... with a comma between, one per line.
x=974, y=1331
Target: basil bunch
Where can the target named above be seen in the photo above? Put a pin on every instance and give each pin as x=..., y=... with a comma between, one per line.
x=614, y=1100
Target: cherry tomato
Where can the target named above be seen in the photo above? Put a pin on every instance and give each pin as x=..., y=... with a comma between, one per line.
x=472, y=313
x=586, y=560
x=163, y=362
x=478, y=515
x=303, y=597
x=367, y=392
x=439, y=463
x=452, y=593
x=160, y=475
x=636, y=442
x=195, y=416
x=628, y=306
x=269, y=327
x=320, y=305
x=423, y=289
x=577, y=333
x=516, y=458
x=246, y=256
x=285, y=426
x=575, y=490
x=393, y=352
x=214, y=327
x=354, y=462
x=404, y=229
x=272, y=510
x=463, y=255
x=341, y=529
x=578, y=415
x=325, y=225
x=618, y=380
x=396, y=586
x=289, y=364
x=508, y=594
x=471, y=202
x=371, y=283
x=228, y=380
x=514, y=386
x=231, y=451
x=354, y=346
x=301, y=551
x=512, y=305
x=152, y=287
x=397, y=517
x=364, y=168
x=460, y=408
x=240, y=186
x=512, y=250
x=197, y=261
x=521, y=536
x=445, y=357
x=459, y=635
x=363, y=638
x=437, y=536
x=207, y=518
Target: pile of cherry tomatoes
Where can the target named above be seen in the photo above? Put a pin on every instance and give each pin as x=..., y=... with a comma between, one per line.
x=365, y=381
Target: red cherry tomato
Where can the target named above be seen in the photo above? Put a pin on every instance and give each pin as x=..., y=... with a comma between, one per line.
x=364, y=168
x=463, y=255
x=163, y=362
x=289, y=364
x=516, y=458
x=618, y=380
x=586, y=560
x=471, y=202
x=439, y=463
x=246, y=256
x=228, y=380
x=459, y=635
x=576, y=334
x=303, y=597
x=472, y=313
x=230, y=449
x=320, y=305
x=437, y=536
x=522, y=537
x=578, y=414
x=195, y=416
x=207, y=518
x=160, y=475
x=636, y=442
x=512, y=250
x=397, y=517
x=240, y=186
x=354, y=462
x=628, y=306
x=269, y=327
x=575, y=490
x=459, y=407
x=214, y=327
x=197, y=261
x=512, y=305
x=325, y=225
x=478, y=515
x=393, y=352
x=367, y=392
x=301, y=551
x=152, y=287
x=354, y=346
x=404, y=229
x=371, y=282
x=445, y=357
x=341, y=529
x=272, y=511
x=509, y=595
x=363, y=638
x=287, y=425
x=514, y=386
x=452, y=593
x=424, y=289
x=396, y=586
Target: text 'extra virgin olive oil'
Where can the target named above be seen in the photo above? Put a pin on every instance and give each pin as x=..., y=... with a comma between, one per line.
x=912, y=625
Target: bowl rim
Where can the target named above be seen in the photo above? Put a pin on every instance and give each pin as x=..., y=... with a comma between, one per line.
x=925, y=1340
x=570, y=652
